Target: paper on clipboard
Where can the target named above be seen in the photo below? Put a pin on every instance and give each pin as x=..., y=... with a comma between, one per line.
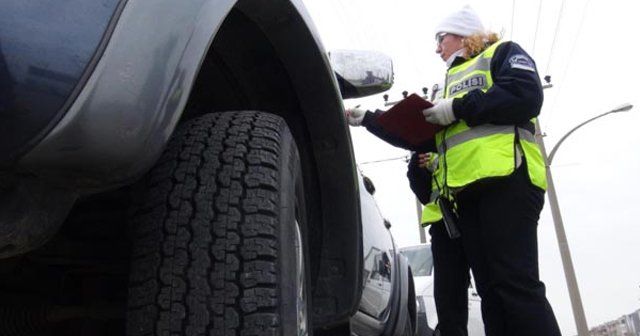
x=406, y=121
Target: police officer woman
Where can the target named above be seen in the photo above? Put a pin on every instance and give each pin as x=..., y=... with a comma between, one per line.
x=492, y=167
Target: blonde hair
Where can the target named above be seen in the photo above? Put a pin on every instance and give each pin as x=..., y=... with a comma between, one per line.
x=477, y=43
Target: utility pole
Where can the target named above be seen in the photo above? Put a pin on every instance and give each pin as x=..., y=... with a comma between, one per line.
x=563, y=245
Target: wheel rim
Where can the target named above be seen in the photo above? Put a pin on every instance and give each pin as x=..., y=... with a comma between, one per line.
x=301, y=302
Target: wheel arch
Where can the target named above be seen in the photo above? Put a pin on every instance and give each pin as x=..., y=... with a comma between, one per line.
x=403, y=299
x=267, y=57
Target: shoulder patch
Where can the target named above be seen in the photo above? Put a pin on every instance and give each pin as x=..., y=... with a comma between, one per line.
x=522, y=62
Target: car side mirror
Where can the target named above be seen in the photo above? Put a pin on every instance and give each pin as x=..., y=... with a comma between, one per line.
x=361, y=73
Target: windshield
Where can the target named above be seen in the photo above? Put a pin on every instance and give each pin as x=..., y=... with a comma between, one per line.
x=420, y=259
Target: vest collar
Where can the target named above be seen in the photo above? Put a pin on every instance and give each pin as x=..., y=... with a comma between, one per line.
x=456, y=58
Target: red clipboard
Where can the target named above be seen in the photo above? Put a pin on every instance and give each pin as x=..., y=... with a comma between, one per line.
x=406, y=121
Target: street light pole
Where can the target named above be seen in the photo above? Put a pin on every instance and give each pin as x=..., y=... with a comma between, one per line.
x=565, y=255
x=563, y=245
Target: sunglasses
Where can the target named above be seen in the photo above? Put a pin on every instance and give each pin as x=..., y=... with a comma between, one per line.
x=440, y=37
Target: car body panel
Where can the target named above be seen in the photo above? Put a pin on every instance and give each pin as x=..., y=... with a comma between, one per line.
x=379, y=258
x=45, y=51
x=385, y=277
x=119, y=123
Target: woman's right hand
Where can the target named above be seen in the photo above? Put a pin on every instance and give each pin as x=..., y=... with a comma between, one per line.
x=428, y=161
x=423, y=159
x=355, y=115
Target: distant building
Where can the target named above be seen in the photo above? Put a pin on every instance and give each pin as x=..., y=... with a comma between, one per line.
x=627, y=325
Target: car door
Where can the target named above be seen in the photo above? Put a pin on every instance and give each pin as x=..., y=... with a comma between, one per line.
x=378, y=255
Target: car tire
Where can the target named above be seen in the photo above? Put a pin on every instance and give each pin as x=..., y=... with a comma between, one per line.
x=219, y=243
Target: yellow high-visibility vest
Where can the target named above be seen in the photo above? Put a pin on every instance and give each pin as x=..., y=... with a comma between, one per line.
x=468, y=154
x=431, y=212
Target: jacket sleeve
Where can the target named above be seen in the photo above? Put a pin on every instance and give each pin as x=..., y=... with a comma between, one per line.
x=515, y=97
x=419, y=179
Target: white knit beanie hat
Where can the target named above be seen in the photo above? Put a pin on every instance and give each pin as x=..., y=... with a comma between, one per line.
x=464, y=22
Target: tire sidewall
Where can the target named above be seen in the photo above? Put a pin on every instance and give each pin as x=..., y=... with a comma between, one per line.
x=292, y=205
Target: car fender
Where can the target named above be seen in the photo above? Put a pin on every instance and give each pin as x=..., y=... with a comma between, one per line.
x=403, y=291
x=99, y=143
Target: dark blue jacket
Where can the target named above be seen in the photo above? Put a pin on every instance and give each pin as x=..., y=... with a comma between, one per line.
x=515, y=97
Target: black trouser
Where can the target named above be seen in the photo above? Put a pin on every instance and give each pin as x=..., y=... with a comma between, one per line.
x=450, y=282
x=498, y=223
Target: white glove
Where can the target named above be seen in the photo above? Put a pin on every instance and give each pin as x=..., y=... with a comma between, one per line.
x=355, y=115
x=441, y=113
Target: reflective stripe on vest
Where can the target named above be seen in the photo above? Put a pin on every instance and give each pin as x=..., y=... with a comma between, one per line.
x=468, y=153
x=471, y=75
x=482, y=131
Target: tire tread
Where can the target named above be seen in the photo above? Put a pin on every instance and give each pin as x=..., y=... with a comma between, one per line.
x=221, y=169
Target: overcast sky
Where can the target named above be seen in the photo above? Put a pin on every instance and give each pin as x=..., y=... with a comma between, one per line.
x=588, y=48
